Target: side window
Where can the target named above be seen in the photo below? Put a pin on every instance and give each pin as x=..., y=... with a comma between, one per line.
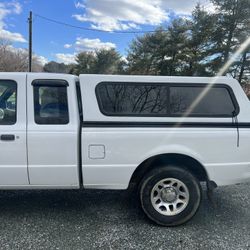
x=51, y=102
x=130, y=99
x=215, y=101
x=8, y=93
x=147, y=99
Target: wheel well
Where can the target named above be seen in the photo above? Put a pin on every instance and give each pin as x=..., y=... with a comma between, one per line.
x=184, y=161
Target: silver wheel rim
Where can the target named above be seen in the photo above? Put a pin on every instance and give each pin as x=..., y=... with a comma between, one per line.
x=169, y=196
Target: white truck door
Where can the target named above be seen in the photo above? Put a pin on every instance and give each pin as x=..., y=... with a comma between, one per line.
x=53, y=131
x=13, y=155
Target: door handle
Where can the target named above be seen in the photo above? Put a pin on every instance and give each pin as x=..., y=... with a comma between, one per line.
x=7, y=137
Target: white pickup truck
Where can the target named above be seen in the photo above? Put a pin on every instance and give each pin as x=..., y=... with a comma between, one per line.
x=164, y=134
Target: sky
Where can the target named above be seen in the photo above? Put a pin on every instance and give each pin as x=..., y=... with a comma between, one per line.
x=52, y=41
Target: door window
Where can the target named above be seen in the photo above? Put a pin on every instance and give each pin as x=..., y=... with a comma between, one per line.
x=8, y=90
x=51, y=103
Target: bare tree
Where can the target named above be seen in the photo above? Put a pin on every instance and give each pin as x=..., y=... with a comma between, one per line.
x=16, y=59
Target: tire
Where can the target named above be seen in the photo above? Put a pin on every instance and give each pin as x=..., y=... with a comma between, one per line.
x=170, y=195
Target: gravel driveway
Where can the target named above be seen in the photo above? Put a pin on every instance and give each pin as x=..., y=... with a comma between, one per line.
x=114, y=220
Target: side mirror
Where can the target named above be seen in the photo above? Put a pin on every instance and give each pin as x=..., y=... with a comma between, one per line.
x=1, y=114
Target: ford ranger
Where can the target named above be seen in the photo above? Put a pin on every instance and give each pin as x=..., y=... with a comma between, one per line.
x=163, y=134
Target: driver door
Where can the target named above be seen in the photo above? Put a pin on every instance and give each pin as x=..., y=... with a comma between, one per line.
x=13, y=155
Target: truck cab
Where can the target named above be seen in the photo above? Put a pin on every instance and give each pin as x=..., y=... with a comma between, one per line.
x=39, y=131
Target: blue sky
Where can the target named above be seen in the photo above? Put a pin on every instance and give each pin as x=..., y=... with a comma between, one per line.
x=55, y=42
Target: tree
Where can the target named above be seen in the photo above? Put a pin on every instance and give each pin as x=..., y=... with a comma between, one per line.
x=199, y=46
x=196, y=53
x=16, y=60
x=84, y=63
x=176, y=43
x=108, y=62
x=161, y=52
x=244, y=66
x=104, y=61
x=55, y=67
x=145, y=53
x=232, y=28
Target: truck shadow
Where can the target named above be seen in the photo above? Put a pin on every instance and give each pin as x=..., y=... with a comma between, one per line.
x=74, y=206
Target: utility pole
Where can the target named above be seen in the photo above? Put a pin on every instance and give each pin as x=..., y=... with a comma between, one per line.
x=30, y=41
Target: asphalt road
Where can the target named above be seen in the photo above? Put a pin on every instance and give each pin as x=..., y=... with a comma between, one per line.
x=114, y=220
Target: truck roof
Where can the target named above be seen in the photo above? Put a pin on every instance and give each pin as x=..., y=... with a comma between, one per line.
x=34, y=73
x=158, y=79
x=101, y=77
x=107, y=75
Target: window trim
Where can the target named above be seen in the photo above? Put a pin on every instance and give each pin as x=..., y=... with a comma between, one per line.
x=49, y=83
x=11, y=124
x=168, y=85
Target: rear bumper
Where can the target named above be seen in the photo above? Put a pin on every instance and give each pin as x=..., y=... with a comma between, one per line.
x=228, y=173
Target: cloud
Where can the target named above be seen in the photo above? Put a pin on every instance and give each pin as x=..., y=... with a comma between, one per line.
x=66, y=58
x=82, y=44
x=16, y=7
x=121, y=14
x=6, y=9
x=92, y=44
x=124, y=59
x=11, y=36
x=41, y=59
x=130, y=14
x=181, y=7
x=67, y=46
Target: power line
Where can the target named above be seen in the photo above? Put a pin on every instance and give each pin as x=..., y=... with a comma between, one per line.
x=94, y=30
x=99, y=30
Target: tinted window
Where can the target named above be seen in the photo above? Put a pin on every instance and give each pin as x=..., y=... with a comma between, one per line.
x=215, y=101
x=145, y=99
x=132, y=99
x=51, y=104
x=8, y=92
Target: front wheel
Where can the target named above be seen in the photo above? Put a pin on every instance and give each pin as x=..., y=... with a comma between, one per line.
x=170, y=195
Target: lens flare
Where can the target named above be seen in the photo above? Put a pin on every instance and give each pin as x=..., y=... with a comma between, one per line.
x=221, y=72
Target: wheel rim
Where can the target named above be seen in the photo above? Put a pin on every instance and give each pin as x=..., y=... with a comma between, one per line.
x=169, y=196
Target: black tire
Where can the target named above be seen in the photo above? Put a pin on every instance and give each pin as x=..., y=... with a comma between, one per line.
x=155, y=176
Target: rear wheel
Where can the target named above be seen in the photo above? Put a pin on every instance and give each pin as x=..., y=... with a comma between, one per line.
x=170, y=195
